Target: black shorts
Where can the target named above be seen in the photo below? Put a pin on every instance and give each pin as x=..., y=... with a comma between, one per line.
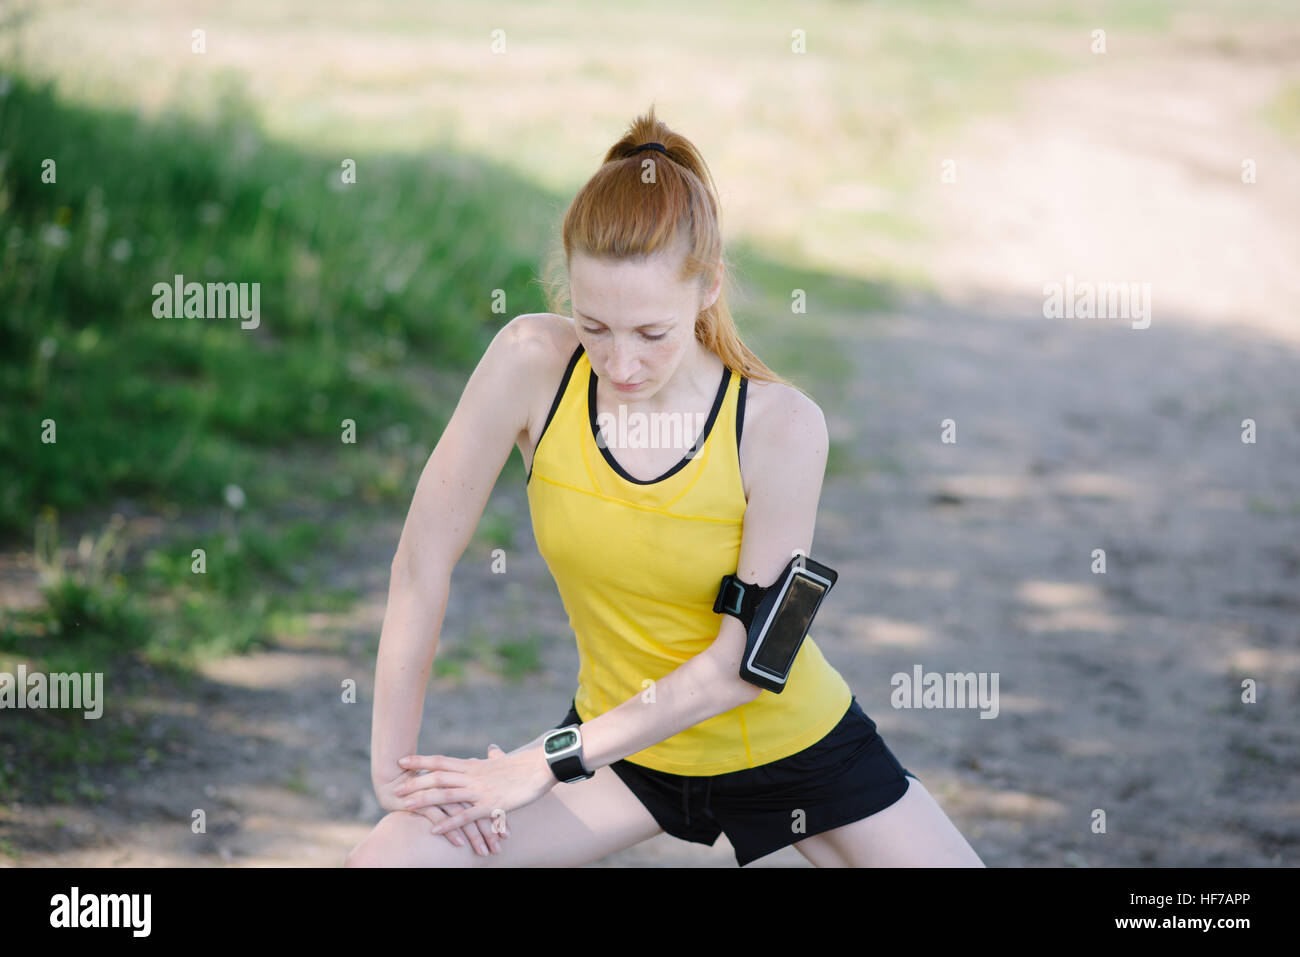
x=846, y=776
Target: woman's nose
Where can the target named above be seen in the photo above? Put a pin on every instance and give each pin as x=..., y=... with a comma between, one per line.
x=622, y=362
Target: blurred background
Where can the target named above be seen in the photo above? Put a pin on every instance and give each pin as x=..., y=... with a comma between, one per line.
x=921, y=170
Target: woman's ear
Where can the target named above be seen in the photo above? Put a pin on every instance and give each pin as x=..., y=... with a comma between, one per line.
x=711, y=294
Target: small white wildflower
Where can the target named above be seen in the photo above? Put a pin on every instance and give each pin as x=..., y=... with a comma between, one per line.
x=55, y=236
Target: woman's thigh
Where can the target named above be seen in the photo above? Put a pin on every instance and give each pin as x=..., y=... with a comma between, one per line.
x=911, y=832
x=571, y=825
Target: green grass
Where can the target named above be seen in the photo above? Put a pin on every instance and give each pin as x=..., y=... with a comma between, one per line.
x=496, y=529
x=1283, y=111
x=355, y=282
x=296, y=781
x=1267, y=506
x=520, y=657
x=368, y=297
x=841, y=460
x=512, y=658
x=259, y=580
x=56, y=753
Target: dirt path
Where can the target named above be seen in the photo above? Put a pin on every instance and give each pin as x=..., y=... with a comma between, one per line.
x=1118, y=692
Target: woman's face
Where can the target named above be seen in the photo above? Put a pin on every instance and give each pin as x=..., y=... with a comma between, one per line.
x=635, y=320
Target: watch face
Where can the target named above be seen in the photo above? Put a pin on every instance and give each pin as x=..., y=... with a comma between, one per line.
x=558, y=742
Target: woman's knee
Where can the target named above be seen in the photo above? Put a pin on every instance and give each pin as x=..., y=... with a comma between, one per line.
x=402, y=839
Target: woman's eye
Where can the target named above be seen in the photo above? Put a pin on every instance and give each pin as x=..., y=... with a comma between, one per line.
x=595, y=332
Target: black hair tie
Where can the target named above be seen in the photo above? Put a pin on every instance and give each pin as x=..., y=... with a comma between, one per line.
x=649, y=146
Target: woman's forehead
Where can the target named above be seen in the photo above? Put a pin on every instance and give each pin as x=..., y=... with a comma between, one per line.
x=607, y=290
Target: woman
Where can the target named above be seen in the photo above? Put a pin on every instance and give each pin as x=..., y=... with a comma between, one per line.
x=638, y=535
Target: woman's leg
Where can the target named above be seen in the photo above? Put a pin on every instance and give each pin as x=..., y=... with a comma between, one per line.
x=911, y=832
x=571, y=825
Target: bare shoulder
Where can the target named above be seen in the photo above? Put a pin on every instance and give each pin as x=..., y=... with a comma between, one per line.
x=780, y=420
x=539, y=336
x=541, y=345
x=538, y=343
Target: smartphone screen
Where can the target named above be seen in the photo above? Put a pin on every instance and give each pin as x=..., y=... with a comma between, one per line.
x=789, y=625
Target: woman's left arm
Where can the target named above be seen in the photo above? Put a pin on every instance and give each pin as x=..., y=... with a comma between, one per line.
x=788, y=463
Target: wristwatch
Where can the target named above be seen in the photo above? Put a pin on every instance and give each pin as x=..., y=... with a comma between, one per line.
x=563, y=750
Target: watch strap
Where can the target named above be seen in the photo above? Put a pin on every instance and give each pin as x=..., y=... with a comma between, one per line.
x=570, y=768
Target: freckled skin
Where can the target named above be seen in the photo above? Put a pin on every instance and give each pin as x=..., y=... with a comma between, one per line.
x=612, y=299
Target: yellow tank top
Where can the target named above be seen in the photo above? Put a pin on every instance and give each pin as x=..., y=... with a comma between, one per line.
x=638, y=565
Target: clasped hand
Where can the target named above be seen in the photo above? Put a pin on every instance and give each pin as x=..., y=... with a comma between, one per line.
x=490, y=786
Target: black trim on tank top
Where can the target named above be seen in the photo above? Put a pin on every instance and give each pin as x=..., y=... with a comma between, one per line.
x=559, y=394
x=740, y=410
x=690, y=453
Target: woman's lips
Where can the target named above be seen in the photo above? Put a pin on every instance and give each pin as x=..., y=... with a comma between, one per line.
x=628, y=388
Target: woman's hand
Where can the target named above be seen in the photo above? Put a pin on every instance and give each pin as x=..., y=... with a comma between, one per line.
x=491, y=788
x=480, y=835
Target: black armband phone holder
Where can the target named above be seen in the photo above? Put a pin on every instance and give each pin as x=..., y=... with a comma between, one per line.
x=776, y=617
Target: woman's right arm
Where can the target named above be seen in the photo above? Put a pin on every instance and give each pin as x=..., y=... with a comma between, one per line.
x=448, y=503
